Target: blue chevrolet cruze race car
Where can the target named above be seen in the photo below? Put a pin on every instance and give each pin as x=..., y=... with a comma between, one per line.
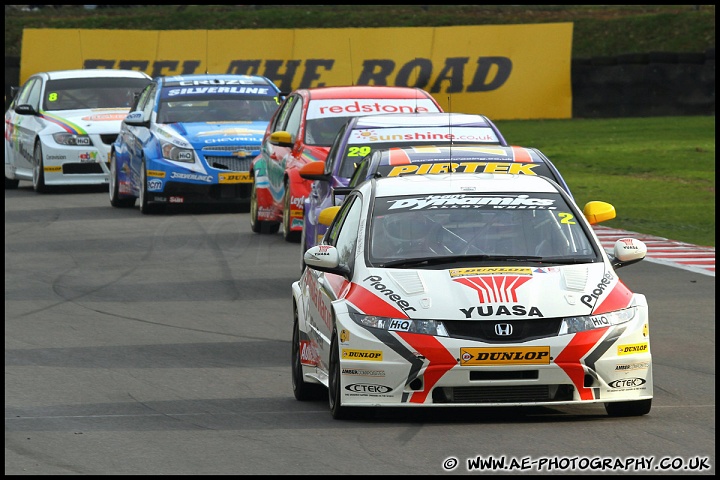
x=190, y=139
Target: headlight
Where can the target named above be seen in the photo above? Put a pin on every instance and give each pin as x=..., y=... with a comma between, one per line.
x=426, y=327
x=171, y=151
x=72, y=140
x=590, y=322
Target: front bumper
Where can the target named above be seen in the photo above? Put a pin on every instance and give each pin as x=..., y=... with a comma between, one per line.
x=382, y=368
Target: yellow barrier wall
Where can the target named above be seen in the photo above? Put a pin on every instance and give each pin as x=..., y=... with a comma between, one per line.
x=502, y=71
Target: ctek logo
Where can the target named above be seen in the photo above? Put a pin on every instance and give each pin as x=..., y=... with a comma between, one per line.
x=495, y=289
x=367, y=388
x=627, y=383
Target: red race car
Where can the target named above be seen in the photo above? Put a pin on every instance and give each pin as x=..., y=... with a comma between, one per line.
x=301, y=131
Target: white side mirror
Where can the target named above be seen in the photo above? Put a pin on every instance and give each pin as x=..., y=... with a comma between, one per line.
x=629, y=250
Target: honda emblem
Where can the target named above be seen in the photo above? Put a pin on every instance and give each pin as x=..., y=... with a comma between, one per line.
x=503, y=329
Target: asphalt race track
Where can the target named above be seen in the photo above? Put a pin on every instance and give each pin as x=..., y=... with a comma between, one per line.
x=668, y=252
x=160, y=345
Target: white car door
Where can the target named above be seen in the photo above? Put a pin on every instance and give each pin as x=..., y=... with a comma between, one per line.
x=26, y=127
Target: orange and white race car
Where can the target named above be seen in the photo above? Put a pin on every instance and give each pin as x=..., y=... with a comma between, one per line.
x=469, y=290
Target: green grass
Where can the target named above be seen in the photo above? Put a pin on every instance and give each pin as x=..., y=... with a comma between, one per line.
x=658, y=172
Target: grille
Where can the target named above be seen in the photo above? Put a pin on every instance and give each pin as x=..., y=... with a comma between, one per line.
x=208, y=192
x=250, y=149
x=108, y=138
x=504, y=394
x=75, y=168
x=522, y=330
x=233, y=164
x=505, y=375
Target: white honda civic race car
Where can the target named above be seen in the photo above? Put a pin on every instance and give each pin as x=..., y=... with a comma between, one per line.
x=60, y=125
x=469, y=290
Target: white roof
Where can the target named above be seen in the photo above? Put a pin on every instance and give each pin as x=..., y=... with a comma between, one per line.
x=95, y=73
x=438, y=184
x=419, y=120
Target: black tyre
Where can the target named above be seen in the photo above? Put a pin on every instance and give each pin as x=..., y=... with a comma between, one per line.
x=288, y=235
x=303, y=390
x=146, y=206
x=256, y=225
x=39, y=170
x=114, y=187
x=338, y=411
x=628, y=409
x=11, y=184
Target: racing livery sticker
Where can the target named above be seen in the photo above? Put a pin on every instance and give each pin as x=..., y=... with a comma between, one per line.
x=439, y=361
x=624, y=367
x=617, y=299
x=308, y=354
x=371, y=355
x=367, y=390
x=624, y=384
x=363, y=372
x=105, y=117
x=63, y=123
x=460, y=272
x=463, y=167
x=409, y=135
x=367, y=106
x=467, y=200
x=570, y=359
x=634, y=348
x=505, y=356
x=239, y=177
x=372, y=303
x=495, y=289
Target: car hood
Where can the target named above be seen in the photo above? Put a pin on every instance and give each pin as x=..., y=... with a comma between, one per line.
x=218, y=133
x=95, y=120
x=489, y=293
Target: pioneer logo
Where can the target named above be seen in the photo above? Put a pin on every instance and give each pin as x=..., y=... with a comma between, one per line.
x=598, y=290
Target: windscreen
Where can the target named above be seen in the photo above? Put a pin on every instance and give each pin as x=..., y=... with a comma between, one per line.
x=83, y=93
x=216, y=108
x=325, y=117
x=536, y=226
x=362, y=142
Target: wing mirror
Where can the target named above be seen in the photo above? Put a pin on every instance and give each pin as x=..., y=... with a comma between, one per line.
x=597, y=212
x=627, y=251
